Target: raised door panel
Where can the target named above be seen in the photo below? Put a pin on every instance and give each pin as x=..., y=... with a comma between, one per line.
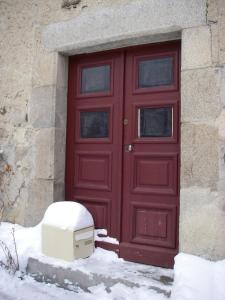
x=93, y=170
x=155, y=173
x=154, y=225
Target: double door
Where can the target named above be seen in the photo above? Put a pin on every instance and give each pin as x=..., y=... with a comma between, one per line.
x=123, y=147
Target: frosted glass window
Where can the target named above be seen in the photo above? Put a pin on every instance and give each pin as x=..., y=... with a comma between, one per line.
x=95, y=79
x=94, y=124
x=155, y=122
x=155, y=72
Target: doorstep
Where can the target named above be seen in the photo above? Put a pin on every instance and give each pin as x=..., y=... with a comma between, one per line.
x=92, y=271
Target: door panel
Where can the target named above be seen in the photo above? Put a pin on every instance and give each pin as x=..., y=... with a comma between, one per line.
x=154, y=173
x=150, y=187
x=123, y=147
x=86, y=164
x=154, y=225
x=94, y=140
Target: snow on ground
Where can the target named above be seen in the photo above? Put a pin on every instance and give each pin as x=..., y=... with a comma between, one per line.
x=29, y=245
x=20, y=287
x=101, y=236
x=28, y=241
x=13, y=288
x=195, y=278
x=198, y=279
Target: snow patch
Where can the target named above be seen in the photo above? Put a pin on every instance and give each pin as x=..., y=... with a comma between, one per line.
x=68, y=215
x=101, y=231
x=104, y=238
x=195, y=277
x=28, y=241
x=103, y=255
x=198, y=278
x=20, y=287
x=13, y=288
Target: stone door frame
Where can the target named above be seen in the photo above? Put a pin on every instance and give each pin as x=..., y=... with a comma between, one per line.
x=60, y=100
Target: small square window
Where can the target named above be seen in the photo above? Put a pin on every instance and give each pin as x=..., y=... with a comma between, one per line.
x=94, y=124
x=155, y=122
x=155, y=72
x=95, y=79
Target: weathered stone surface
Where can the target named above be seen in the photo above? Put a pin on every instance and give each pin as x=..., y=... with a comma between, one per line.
x=42, y=107
x=3, y=133
x=221, y=25
x=215, y=43
x=199, y=155
x=59, y=191
x=212, y=10
x=59, y=155
x=200, y=95
x=15, y=92
x=221, y=125
x=222, y=86
x=44, y=64
x=62, y=71
x=106, y=23
x=40, y=196
x=202, y=223
x=220, y=122
x=15, y=213
x=16, y=44
x=48, y=107
x=196, y=47
x=216, y=19
x=187, y=153
x=60, y=108
x=49, y=11
x=206, y=156
x=17, y=157
x=44, y=153
x=221, y=185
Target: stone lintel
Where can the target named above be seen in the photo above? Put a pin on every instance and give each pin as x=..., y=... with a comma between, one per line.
x=134, y=23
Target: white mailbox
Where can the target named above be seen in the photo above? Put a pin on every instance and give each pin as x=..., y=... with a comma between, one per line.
x=67, y=231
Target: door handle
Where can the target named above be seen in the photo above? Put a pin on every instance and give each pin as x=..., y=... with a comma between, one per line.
x=129, y=148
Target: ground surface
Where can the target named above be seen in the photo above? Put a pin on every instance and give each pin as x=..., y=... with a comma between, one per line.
x=128, y=280
x=13, y=288
x=194, y=278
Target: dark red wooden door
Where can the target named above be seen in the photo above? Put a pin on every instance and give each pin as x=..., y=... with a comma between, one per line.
x=123, y=147
x=94, y=139
x=150, y=187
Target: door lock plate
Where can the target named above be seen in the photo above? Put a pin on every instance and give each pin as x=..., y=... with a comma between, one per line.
x=129, y=148
x=125, y=122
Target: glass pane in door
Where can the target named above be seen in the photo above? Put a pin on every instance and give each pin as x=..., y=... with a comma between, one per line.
x=155, y=72
x=155, y=122
x=95, y=79
x=94, y=124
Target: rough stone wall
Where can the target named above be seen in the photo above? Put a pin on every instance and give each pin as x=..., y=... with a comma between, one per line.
x=33, y=87
x=202, y=211
x=32, y=121
x=16, y=136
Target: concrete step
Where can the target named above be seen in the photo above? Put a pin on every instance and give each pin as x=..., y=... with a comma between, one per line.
x=89, y=272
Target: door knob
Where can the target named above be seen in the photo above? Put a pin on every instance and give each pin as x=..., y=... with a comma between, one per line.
x=129, y=148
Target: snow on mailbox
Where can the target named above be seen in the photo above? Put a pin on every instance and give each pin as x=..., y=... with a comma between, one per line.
x=67, y=231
